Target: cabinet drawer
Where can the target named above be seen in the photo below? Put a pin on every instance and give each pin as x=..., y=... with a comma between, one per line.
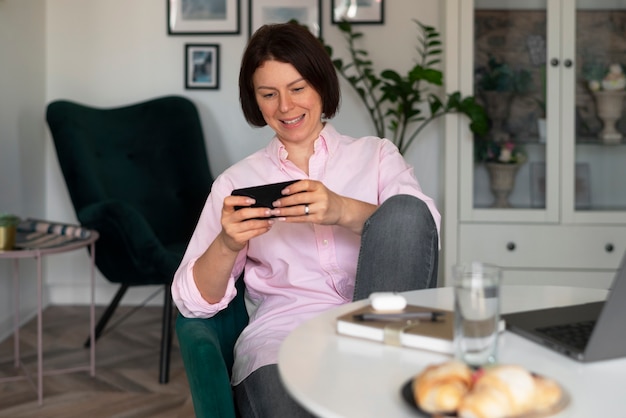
x=535, y=246
x=576, y=278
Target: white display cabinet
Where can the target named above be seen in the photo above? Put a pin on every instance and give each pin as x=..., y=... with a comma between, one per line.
x=566, y=223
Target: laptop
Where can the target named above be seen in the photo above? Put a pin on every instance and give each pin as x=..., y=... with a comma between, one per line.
x=586, y=332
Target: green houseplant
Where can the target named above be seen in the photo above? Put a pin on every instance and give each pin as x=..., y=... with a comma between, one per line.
x=497, y=84
x=499, y=76
x=8, y=220
x=396, y=102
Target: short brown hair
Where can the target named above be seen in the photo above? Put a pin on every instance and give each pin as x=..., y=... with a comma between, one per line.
x=294, y=44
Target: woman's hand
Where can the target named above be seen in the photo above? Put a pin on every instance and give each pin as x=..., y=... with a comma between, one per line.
x=213, y=268
x=311, y=201
x=241, y=225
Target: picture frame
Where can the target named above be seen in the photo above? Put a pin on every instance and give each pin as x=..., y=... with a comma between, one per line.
x=364, y=12
x=203, y=17
x=306, y=12
x=582, y=185
x=202, y=66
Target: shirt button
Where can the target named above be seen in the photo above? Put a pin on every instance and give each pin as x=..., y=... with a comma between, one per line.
x=325, y=242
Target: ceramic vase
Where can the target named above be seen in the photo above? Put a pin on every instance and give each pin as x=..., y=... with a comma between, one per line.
x=609, y=106
x=498, y=106
x=502, y=182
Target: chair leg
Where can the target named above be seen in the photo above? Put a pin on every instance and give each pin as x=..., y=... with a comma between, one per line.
x=104, y=319
x=166, y=336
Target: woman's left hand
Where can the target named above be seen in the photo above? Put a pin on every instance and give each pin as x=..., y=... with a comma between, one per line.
x=311, y=201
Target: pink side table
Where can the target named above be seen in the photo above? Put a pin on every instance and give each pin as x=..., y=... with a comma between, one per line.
x=83, y=238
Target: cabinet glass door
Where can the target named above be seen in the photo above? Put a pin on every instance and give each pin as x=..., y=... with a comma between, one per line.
x=510, y=59
x=599, y=125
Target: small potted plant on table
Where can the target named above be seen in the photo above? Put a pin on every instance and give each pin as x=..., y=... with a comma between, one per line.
x=8, y=230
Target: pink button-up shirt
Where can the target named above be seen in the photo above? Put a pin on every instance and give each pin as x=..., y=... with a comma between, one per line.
x=294, y=271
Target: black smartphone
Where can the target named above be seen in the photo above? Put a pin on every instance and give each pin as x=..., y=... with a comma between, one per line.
x=264, y=194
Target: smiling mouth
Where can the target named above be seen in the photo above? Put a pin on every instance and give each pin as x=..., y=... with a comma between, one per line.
x=292, y=121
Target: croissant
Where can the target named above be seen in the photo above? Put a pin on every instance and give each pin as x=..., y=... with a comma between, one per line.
x=502, y=391
x=547, y=393
x=494, y=392
x=440, y=388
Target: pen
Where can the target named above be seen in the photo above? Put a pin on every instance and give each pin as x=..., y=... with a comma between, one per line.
x=432, y=316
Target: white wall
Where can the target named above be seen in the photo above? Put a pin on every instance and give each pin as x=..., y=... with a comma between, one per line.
x=113, y=52
x=22, y=96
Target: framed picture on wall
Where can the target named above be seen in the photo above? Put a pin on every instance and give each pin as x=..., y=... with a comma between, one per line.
x=358, y=11
x=202, y=66
x=203, y=17
x=306, y=12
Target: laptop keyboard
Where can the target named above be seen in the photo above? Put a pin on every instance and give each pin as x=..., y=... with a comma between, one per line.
x=575, y=334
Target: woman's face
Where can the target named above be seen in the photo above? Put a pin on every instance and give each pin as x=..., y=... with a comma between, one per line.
x=289, y=104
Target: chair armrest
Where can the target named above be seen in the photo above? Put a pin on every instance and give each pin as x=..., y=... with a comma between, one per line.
x=206, y=346
x=207, y=373
x=122, y=226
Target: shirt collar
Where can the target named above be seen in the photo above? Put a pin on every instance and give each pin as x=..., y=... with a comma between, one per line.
x=328, y=140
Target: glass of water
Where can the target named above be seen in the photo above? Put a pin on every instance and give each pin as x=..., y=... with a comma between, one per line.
x=476, y=312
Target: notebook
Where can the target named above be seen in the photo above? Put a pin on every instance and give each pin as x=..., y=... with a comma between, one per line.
x=587, y=332
x=433, y=335
x=425, y=334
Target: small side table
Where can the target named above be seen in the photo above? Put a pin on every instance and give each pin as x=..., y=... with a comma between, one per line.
x=37, y=239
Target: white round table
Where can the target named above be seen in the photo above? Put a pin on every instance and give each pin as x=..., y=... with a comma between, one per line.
x=339, y=376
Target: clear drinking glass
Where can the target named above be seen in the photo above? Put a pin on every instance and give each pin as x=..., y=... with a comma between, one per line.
x=477, y=312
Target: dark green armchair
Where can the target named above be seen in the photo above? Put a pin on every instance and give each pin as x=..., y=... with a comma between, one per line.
x=206, y=347
x=207, y=344
x=139, y=175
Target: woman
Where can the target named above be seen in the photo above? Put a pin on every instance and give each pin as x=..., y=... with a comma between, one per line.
x=300, y=257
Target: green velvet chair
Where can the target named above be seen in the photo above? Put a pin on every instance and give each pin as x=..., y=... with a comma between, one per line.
x=206, y=347
x=207, y=344
x=139, y=175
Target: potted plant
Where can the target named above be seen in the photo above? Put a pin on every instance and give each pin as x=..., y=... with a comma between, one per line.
x=502, y=160
x=396, y=102
x=497, y=83
x=607, y=84
x=8, y=230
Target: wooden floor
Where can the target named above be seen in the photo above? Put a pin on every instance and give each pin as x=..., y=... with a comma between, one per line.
x=126, y=382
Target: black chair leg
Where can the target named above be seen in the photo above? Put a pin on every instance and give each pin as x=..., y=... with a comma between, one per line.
x=166, y=336
x=104, y=319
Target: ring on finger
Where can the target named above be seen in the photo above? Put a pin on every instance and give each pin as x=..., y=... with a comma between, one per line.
x=306, y=209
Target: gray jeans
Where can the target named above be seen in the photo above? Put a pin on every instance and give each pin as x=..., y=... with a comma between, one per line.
x=399, y=252
x=262, y=395
x=399, y=248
